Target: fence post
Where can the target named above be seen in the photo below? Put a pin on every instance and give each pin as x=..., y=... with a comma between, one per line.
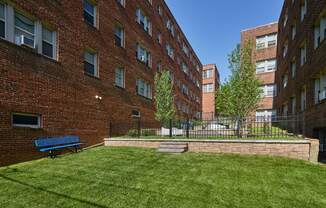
x=170, y=128
x=187, y=126
x=138, y=127
x=110, y=129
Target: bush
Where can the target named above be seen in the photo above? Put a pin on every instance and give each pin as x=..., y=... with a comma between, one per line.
x=132, y=133
x=148, y=132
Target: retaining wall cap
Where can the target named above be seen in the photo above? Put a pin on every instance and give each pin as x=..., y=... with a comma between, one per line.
x=303, y=141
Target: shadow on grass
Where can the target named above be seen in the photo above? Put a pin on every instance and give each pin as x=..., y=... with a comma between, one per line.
x=52, y=192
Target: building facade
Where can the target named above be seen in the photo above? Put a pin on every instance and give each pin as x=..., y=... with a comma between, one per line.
x=264, y=40
x=211, y=83
x=77, y=67
x=301, y=75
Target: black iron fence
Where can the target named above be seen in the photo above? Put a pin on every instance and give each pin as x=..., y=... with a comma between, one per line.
x=214, y=128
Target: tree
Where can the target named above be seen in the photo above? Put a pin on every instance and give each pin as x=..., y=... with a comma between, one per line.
x=164, y=98
x=239, y=96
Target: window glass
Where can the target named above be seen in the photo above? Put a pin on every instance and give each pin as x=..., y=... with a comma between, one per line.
x=47, y=42
x=25, y=120
x=119, y=77
x=2, y=20
x=119, y=36
x=89, y=12
x=2, y=11
x=24, y=30
x=90, y=67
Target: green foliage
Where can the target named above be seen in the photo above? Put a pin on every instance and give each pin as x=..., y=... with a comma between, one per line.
x=148, y=132
x=133, y=133
x=164, y=98
x=240, y=95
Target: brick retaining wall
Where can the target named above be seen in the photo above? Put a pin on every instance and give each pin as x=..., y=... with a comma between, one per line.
x=297, y=149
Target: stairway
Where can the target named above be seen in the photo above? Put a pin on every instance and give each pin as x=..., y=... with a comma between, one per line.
x=173, y=147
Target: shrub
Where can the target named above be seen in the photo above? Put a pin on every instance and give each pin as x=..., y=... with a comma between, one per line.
x=132, y=133
x=148, y=132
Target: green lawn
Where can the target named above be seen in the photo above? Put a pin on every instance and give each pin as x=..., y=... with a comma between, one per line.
x=130, y=177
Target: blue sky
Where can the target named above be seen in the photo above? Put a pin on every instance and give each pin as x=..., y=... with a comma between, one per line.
x=213, y=26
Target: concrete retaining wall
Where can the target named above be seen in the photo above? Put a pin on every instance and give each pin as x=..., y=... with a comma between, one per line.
x=306, y=149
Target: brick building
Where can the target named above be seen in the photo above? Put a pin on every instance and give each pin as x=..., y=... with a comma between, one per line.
x=264, y=39
x=211, y=83
x=74, y=67
x=301, y=75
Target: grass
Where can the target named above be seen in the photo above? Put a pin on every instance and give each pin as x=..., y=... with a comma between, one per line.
x=129, y=177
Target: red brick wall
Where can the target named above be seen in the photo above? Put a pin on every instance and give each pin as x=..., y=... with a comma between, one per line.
x=208, y=103
x=315, y=114
x=63, y=94
x=263, y=54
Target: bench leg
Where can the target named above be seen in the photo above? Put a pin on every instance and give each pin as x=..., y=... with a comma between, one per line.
x=51, y=154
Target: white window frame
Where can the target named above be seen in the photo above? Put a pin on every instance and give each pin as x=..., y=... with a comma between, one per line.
x=122, y=2
x=122, y=38
x=264, y=41
x=93, y=15
x=146, y=87
x=170, y=51
x=293, y=66
x=96, y=64
x=38, y=126
x=117, y=71
x=25, y=31
x=303, y=10
x=140, y=14
x=147, y=55
x=263, y=66
x=208, y=88
x=54, y=44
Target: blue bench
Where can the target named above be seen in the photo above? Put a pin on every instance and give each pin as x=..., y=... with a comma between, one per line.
x=51, y=144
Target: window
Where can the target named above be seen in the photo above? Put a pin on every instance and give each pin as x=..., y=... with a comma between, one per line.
x=185, y=68
x=159, y=10
x=265, y=66
x=159, y=66
x=119, y=36
x=2, y=21
x=303, y=99
x=122, y=2
x=48, y=43
x=303, y=10
x=293, y=105
x=170, y=51
x=185, y=49
x=90, y=63
x=144, y=88
x=268, y=90
x=208, y=88
x=285, y=109
x=89, y=13
x=24, y=30
x=144, y=21
x=26, y=120
x=135, y=114
x=320, y=89
x=159, y=38
x=207, y=73
x=150, y=2
x=319, y=32
x=120, y=77
x=303, y=54
x=285, y=20
x=293, y=31
x=185, y=89
x=293, y=66
x=144, y=56
x=285, y=81
x=265, y=114
x=170, y=27
x=266, y=41
x=285, y=48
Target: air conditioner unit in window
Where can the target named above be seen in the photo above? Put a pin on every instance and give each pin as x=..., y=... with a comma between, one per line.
x=322, y=95
x=142, y=58
x=25, y=41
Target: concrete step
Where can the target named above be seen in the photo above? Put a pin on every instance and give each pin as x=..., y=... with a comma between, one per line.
x=174, y=143
x=171, y=150
x=176, y=146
